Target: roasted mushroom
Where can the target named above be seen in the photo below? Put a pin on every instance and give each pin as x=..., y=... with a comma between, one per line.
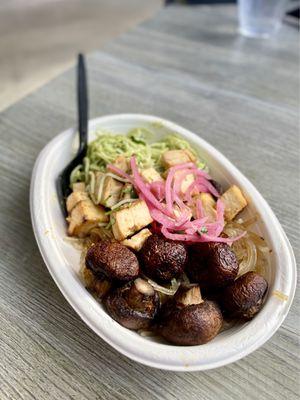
x=163, y=259
x=244, y=298
x=112, y=259
x=189, y=320
x=134, y=305
x=98, y=286
x=212, y=265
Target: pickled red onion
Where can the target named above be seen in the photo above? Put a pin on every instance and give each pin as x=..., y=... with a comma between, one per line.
x=158, y=189
x=142, y=187
x=193, y=230
x=199, y=209
x=198, y=239
x=195, y=188
x=206, y=182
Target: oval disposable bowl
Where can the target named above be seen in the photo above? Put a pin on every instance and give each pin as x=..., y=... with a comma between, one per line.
x=63, y=259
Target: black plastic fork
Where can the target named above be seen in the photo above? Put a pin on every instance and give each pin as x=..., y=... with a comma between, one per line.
x=63, y=180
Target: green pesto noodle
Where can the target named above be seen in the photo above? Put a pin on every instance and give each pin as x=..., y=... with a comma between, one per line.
x=107, y=147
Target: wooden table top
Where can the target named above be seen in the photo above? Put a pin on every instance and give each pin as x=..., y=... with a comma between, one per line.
x=188, y=64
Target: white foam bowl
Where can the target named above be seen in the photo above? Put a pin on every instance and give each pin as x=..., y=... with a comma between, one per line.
x=62, y=259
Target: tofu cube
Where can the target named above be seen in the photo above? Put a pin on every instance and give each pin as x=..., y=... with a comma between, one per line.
x=137, y=241
x=74, y=198
x=234, y=202
x=111, y=192
x=122, y=163
x=108, y=188
x=78, y=187
x=191, y=155
x=130, y=219
x=174, y=157
x=150, y=175
x=177, y=212
x=208, y=205
x=187, y=181
x=84, y=217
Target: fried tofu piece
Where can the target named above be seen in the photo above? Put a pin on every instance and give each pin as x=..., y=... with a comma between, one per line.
x=122, y=163
x=130, y=219
x=150, y=175
x=208, y=205
x=234, y=202
x=74, y=198
x=191, y=155
x=137, y=241
x=187, y=181
x=84, y=217
x=109, y=188
x=174, y=157
x=177, y=212
x=78, y=187
x=111, y=192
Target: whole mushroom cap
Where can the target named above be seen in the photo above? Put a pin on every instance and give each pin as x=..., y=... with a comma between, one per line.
x=133, y=305
x=190, y=320
x=163, y=259
x=222, y=263
x=212, y=265
x=192, y=325
x=112, y=259
x=244, y=298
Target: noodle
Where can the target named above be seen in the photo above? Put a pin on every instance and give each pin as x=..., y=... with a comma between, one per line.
x=251, y=250
x=107, y=147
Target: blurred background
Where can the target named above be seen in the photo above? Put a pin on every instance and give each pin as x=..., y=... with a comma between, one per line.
x=40, y=38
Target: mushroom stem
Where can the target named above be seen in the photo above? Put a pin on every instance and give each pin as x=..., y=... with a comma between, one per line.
x=144, y=287
x=190, y=296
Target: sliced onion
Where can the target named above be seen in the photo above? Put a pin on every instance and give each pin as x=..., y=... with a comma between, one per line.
x=169, y=292
x=120, y=172
x=118, y=178
x=247, y=250
x=249, y=262
x=122, y=202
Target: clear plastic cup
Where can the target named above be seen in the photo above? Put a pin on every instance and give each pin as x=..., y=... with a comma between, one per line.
x=260, y=18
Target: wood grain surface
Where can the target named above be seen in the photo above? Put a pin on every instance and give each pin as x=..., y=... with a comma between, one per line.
x=188, y=65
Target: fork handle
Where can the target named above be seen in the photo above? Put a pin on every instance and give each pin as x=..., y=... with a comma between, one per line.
x=82, y=103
